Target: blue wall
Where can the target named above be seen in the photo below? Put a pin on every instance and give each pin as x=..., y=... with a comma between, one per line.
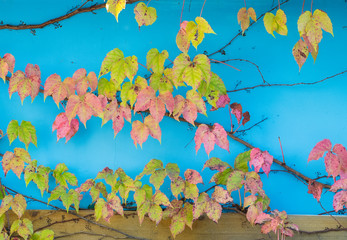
x=300, y=115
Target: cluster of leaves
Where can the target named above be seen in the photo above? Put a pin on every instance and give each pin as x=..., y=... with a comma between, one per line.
x=110, y=191
x=335, y=161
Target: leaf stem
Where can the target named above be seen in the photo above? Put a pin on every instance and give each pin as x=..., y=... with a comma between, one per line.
x=202, y=8
x=225, y=64
x=245, y=3
x=279, y=4
x=145, y=67
x=3, y=135
x=231, y=121
x=303, y=5
x=279, y=139
x=182, y=12
x=148, y=2
x=311, y=5
x=240, y=197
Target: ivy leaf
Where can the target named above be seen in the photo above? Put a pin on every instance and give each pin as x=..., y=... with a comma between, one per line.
x=214, y=211
x=185, y=107
x=221, y=195
x=157, y=178
x=182, y=40
x=196, y=98
x=64, y=128
x=114, y=203
x=221, y=177
x=140, y=131
x=6, y=65
x=193, y=176
x=84, y=106
x=98, y=189
x=45, y=234
x=130, y=91
x=253, y=183
x=83, y=82
x=27, y=83
x=276, y=23
x=241, y=161
x=300, y=52
x=339, y=184
x=221, y=102
x=177, y=225
x=57, y=89
x=200, y=205
x=24, y=228
x=107, y=88
x=243, y=17
x=315, y=188
x=261, y=159
x=319, y=150
x=216, y=164
x=236, y=109
x=15, y=161
x=302, y=22
x=177, y=186
x=324, y=21
x=151, y=167
x=115, y=7
x=160, y=198
x=340, y=200
x=235, y=180
x=209, y=137
x=332, y=164
x=62, y=176
x=156, y=60
x=19, y=205
x=144, y=99
x=155, y=213
x=6, y=204
x=191, y=190
x=3, y=69
x=145, y=15
x=172, y=171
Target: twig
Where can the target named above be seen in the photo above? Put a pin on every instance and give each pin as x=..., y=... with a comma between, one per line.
x=254, y=125
x=240, y=33
x=79, y=216
x=145, y=67
x=214, y=60
x=340, y=225
x=89, y=233
x=59, y=222
x=332, y=211
x=58, y=19
x=279, y=139
x=323, y=231
x=210, y=188
x=287, y=85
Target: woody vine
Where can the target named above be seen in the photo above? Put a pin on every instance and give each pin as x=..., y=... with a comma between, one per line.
x=125, y=94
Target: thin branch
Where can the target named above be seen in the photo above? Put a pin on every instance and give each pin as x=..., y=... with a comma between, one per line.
x=214, y=60
x=287, y=85
x=59, y=222
x=61, y=18
x=332, y=211
x=240, y=32
x=323, y=231
x=340, y=225
x=79, y=216
x=202, y=8
x=279, y=139
x=89, y=233
x=254, y=125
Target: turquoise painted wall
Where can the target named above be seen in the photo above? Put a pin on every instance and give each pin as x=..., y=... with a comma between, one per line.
x=300, y=115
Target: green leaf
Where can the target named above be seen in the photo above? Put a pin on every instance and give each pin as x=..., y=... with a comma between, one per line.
x=107, y=88
x=27, y=133
x=145, y=15
x=12, y=130
x=216, y=164
x=221, y=177
x=115, y=7
x=150, y=167
x=155, y=213
x=172, y=171
x=140, y=196
x=131, y=67
x=142, y=210
x=61, y=176
x=98, y=189
x=45, y=234
x=202, y=62
x=177, y=225
x=6, y=204
x=25, y=228
x=191, y=190
x=177, y=186
x=241, y=161
x=2, y=221
x=157, y=178
x=160, y=198
x=156, y=60
x=99, y=205
x=15, y=161
x=235, y=181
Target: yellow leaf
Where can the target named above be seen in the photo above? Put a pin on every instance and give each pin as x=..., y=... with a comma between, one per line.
x=115, y=7
x=302, y=22
x=300, y=53
x=203, y=25
x=314, y=33
x=243, y=18
x=252, y=14
x=324, y=21
x=268, y=23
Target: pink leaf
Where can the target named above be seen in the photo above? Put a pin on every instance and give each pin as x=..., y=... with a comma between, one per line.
x=221, y=136
x=319, y=150
x=340, y=199
x=34, y=74
x=190, y=112
x=168, y=99
x=263, y=217
x=221, y=102
x=257, y=159
x=236, y=109
x=315, y=188
x=268, y=159
x=153, y=127
x=55, y=87
x=341, y=153
x=83, y=81
x=252, y=214
x=339, y=184
x=205, y=136
x=332, y=164
x=193, y=176
x=64, y=129
x=157, y=109
x=9, y=59
x=221, y=195
x=139, y=133
x=144, y=99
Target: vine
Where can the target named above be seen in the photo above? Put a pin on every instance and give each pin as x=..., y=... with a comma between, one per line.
x=125, y=94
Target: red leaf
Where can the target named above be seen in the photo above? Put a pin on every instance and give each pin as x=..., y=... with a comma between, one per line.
x=268, y=159
x=144, y=99
x=246, y=118
x=193, y=176
x=263, y=217
x=221, y=136
x=332, y=164
x=340, y=199
x=318, y=150
x=205, y=136
x=257, y=159
x=236, y=109
x=341, y=153
x=64, y=129
x=315, y=188
x=83, y=81
x=34, y=74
